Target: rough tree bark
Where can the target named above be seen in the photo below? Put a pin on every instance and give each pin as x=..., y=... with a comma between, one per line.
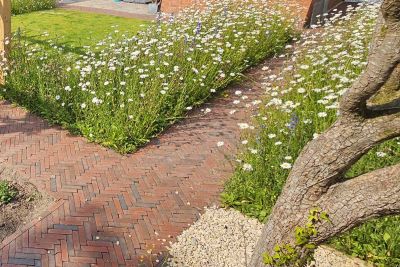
x=317, y=177
x=5, y=31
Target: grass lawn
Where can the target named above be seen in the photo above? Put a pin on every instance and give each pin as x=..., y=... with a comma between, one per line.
x=72, y=28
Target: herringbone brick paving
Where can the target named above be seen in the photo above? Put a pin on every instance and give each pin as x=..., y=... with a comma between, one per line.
x=110, y=210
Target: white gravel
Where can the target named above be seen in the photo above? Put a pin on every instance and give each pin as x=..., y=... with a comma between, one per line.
x=226, y=238
x=219, y=238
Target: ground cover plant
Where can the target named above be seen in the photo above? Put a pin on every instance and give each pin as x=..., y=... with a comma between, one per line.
x=27, y=6
x=122, y=93
x=301, y=103
x=7, y=192
x=72, y=29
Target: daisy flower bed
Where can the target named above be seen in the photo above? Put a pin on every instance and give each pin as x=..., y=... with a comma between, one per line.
x=300, y=103
x=124, y=91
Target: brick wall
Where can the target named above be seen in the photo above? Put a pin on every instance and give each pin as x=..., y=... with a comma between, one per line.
x=307, y=8
x=173, y=6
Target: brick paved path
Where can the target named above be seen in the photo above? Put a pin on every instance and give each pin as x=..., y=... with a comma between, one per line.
x=108, y=7
x=110, y=209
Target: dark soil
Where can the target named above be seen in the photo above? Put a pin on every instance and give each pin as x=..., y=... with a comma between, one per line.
x=25, y=206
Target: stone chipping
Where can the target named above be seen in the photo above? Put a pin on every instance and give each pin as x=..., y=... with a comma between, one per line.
x=221, y=237
x=226, y=238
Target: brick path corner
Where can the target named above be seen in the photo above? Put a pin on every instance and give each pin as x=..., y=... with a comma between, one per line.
x=111, y=209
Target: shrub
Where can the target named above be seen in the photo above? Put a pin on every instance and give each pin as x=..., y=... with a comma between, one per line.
x=300, y=103
x=122, y=93
x=27, y=6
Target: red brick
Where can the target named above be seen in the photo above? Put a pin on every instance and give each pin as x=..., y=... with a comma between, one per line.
x=82, y=259
x=94, y=248
x=118, y=253
x=60, y=231
x=64, y=250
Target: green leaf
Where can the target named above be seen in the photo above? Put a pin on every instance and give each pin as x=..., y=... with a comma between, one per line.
x=310, y=246
x=386, y=237
x=324, y=216
x=262, y=214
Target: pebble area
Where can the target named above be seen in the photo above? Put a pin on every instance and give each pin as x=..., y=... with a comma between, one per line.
x=226, y=238
x=219, y=238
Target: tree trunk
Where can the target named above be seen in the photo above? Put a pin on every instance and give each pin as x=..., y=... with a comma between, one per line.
x=317, y=177
x=5, y=32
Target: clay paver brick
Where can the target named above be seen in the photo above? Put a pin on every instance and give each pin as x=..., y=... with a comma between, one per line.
x=70, y=245
x=64, y=251
x=25, y=261
x=58, y=259
x=65, y=230
x=94, y=248
x=113, y=208
x=75, y=240
x=82, y=260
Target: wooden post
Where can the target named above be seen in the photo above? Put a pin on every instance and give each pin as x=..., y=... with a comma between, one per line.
x=5, y=32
